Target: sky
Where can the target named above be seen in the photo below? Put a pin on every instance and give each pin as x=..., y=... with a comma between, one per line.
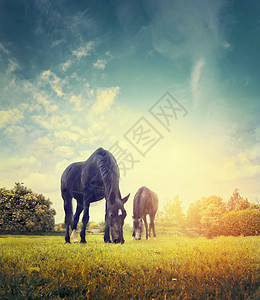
x=171, y=88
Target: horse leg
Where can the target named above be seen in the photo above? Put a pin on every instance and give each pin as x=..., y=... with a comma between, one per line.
x=146, y=227
x=75, y=222
x=107, y=235
x=68, y=213
x=133, y=235
x=152, y=225
x=84, y=221
x=107, y=231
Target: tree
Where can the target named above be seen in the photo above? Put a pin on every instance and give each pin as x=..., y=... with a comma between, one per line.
x=173, y=211
x=23, y=211
x=242, y=204
x=236, y=202
x=193, y=217
x=214, y=217
x=244, y=222
x=254, y=206
x=233, y=200
x=212, y=209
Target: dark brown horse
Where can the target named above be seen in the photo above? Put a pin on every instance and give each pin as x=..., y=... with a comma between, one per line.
x=90, y=181
x=145, y=203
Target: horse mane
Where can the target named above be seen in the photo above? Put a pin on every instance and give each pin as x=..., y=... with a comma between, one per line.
x=109, y=171
x=137, y=202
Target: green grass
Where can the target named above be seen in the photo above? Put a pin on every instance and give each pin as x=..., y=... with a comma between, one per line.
x=166, y=268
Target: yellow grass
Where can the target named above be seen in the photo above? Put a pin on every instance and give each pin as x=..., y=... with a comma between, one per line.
x=166, y=268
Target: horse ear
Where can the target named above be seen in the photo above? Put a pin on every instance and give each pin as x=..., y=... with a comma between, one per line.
x=125, y=199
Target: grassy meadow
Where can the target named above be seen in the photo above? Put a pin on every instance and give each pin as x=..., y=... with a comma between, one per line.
x=166, y=268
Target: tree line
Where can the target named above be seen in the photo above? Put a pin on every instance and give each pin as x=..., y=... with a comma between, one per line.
x=211, y=216
x=22, y=211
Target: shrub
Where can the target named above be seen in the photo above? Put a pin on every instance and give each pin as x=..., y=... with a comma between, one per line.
x=245, y=222
x=23, y=211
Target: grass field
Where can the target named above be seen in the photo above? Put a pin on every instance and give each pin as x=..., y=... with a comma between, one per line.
x=166, y=268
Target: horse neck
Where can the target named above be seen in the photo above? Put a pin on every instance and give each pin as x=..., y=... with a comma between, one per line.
x=113, y=196
x=137, y=210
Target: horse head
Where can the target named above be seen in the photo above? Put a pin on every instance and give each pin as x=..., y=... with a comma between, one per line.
x=115, y=220
x=138, y=228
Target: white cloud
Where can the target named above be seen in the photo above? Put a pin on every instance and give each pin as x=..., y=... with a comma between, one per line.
x=100, y=64
x=49, y=108
x=3, y=49
x=11, y=116
x=254, y=152
x=15, y=163
x=239, y=168
x=182, y=29
x=65, y=66
x=61, y=166
x=41, y=182
x=54, y=122
x=58, y=90
x=12, y=66
x=245, y=164
x=84, y=50
x=195, y=77
x=77, y=101
x=15, y=168
x=57, y=42
x=90, y=91
x=226, y=45
x=54, y=81
x=104, y=100
x=257, y=134
x=24, y=106
x=66, y=136
x=109, y=54
x=45, y=143
x=65, y=152
x=54, y=147
x=17, y=133
x=80, y=23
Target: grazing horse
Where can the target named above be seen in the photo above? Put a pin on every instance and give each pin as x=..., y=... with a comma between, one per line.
x=145, y=202
x=90, y=181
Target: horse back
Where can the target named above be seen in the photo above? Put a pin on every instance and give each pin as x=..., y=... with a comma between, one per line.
x=145, y=202
x=91, y=176
x=71, y=176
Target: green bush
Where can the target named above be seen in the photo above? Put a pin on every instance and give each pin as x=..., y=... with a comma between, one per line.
x=245, y=222
x=23, y=211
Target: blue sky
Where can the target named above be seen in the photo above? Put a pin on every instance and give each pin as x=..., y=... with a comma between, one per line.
x=77, y=75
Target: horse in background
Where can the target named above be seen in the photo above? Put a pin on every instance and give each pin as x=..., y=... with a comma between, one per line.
x=145, y=203
x=90, y=181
